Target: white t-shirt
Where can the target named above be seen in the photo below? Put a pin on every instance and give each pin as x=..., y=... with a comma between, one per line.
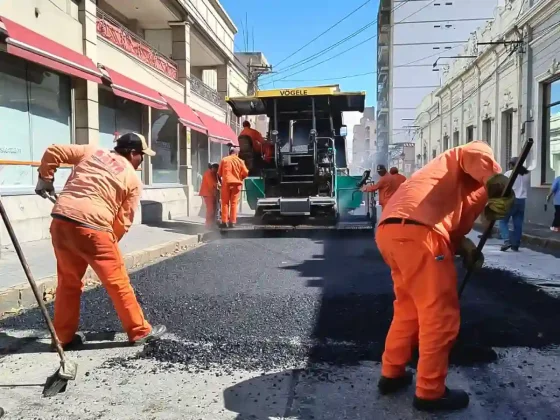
x=521, y=184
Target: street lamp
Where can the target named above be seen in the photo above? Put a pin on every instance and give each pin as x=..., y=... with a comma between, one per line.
x=455, y=56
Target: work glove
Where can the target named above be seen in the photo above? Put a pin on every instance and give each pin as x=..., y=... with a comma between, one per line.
x=498, y=207
x=45, y=187
x=467, y=250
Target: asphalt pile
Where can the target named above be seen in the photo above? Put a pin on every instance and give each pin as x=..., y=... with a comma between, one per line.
x=302, y=302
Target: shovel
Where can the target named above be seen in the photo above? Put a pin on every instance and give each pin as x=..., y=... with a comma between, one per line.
x=57, y=382
x=507, y=190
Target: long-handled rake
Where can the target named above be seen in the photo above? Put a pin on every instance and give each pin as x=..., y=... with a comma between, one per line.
x=57, y=382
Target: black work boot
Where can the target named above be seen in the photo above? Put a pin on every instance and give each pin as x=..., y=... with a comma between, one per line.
x=222, y=225
x=453, y=399
x=77, y=342
x=505, y=246
x=515, y=248
x=231, y=225
x=392, y=385
x=156, y=334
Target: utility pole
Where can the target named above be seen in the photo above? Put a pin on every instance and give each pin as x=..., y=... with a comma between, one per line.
x=254, y=72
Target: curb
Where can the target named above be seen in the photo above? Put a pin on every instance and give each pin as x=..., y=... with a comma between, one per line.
x=15, y=298
x=547, y=243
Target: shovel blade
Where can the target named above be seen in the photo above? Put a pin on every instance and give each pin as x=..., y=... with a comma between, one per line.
x=57, y=382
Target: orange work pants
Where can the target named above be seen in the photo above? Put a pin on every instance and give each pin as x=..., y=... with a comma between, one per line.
x=210, y=203
x=426, y=308
x=76, y=247
x=230, y=194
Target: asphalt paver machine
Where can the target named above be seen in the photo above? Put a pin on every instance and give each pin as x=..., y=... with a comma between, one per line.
x=307, y=181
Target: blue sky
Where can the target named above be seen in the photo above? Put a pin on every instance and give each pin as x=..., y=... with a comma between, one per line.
x=282, y=27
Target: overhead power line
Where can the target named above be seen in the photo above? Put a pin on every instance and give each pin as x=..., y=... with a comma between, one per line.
x=324, y=32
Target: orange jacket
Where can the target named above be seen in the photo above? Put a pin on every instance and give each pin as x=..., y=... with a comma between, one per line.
x=103, y=190
x=232, y=170
x=209, y=184
x=256, y=138
x=448, y=193
x=386, y=186
x=399, y=178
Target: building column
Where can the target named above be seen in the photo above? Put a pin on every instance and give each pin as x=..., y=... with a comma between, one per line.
x=181, y=51
x=85, y=92
x=223, y=80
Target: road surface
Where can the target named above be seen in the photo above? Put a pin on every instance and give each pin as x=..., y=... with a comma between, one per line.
x=289, y=327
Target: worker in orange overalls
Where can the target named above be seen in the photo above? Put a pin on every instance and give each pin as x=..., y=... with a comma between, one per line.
x=399, y=177
x=422, y=228
x=94, y=210
x=232, y=171
x=260, y=145
x=386, y=186
x=208, y=190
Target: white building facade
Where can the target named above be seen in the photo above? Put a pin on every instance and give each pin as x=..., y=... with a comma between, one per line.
x=508, y=94
x=414, y=39
x=83, y=72
x=364, y=142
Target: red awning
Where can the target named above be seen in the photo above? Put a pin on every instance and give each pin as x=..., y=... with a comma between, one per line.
x=31, y=46
x=218, y=131
x=130, y=89
x=186, y=115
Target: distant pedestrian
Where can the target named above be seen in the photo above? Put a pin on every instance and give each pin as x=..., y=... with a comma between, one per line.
x=517, y=213
x=555, y=195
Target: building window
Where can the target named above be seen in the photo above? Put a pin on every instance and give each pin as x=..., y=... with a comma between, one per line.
x=470, y=133
x=434, y=153
x=117, y=116
x=445, y=143
x=199, y=157
x=215, y=152
x=487, y=131
x=35, y=112
x=551, y=132
x=165, y=133
x=507, y=137
x=455, y=139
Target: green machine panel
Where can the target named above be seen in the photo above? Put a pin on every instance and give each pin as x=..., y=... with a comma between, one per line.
x=254, y=189
x=348, y=196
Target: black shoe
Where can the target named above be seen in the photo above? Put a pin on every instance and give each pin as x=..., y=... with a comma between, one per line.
x=156, y=334
x=505, y=247
x=515, y=248
x=392, y=385
x=77, y=342
x=231, y=225
x=222, y=225
x=453, y=399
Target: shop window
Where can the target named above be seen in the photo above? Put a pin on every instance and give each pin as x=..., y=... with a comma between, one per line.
x=551, y=132
x=35, y=112
x=165, y=133
x=487, y=131
x=117, y=115
x=199, y=157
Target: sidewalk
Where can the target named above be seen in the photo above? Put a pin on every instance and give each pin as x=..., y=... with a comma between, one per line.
x=142, y=245
x=534, y=234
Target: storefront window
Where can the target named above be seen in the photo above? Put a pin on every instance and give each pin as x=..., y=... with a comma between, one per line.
x=35, y=112
x=117, y=115
x=165, y=165
x=551, y=132
x=199, y=157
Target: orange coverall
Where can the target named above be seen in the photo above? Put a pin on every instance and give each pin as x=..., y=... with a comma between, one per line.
x=259, y=144
x=387, y=185
x=233, y=171
x=93, y=212
x=444, y=198
x=208, y=189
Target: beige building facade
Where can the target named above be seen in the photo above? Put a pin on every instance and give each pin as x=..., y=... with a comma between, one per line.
x=84, y=71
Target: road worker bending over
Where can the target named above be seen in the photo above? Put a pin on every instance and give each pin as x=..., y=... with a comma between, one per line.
x=420, y=232
x=399, y=177
x=260, y=146
x=386, y=186
x=232, y=171
x=208, y=190
x=92, y=213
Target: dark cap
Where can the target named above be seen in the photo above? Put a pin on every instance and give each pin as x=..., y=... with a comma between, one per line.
x=381, y=168
x=134, y=141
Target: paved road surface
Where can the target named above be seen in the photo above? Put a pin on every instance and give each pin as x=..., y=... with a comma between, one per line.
x=285, y=327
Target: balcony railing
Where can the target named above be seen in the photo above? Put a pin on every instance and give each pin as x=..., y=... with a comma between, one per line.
x=205, y=91
x=117, y=34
